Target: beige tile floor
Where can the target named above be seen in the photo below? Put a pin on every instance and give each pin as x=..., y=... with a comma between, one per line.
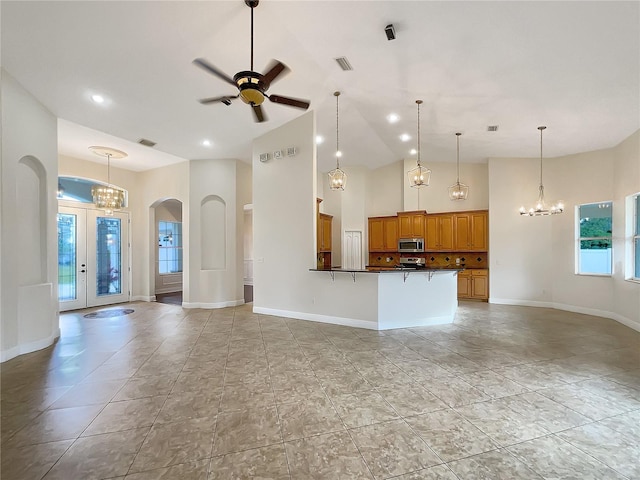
x=503, y=393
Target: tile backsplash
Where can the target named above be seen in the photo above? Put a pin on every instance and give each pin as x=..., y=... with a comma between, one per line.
x=434, y=259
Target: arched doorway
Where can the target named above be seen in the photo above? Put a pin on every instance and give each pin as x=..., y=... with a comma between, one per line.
x=168, y=247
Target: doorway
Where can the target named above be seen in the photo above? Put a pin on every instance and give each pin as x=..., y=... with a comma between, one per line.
x=168, y=245
x=93, y=258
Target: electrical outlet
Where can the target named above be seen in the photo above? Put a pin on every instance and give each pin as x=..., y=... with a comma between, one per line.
x=291, y=151
x=264, y=157
x=277, y=154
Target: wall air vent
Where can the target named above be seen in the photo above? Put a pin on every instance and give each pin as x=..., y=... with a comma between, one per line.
x=492, y=128
x=344, y=63
x=146, y=143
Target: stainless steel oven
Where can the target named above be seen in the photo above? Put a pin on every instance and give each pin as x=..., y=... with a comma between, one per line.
x=411, y=245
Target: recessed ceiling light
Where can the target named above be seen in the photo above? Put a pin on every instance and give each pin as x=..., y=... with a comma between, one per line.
x=97, y=98
x=206, y=143
x=405, y=137
x=413, y=151
x=319, y=139
x=392, y=118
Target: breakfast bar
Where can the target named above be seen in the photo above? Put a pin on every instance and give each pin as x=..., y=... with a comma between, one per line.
x=394, y=298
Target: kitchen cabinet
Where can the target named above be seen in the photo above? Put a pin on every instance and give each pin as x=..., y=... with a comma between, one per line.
x=383, y=234
x=439, y=233
x=471, y=231
x=474, y=284
x=324, y=232
x=411, y=224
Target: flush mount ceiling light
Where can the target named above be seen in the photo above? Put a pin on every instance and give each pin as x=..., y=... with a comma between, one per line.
x=97, y=98
x=392, y=118
x=206, y=143
x=405, y=137
x=458, y=191
x=108, y=197
x=319, y=139
x=337, y=177
x=419, y=176
x=540, y=208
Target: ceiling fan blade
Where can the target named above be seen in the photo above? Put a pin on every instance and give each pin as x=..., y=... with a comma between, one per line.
x=202, y=63
x=226, y=99
x=292, y=102
x=274, y=70
x=258, y=114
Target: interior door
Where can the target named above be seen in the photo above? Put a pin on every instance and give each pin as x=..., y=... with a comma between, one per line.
x=93, y=258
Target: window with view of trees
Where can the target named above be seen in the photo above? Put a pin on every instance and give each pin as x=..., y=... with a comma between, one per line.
x=594, y=242
x=169, y=247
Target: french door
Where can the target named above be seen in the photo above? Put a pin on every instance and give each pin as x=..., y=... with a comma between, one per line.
x=93, y=258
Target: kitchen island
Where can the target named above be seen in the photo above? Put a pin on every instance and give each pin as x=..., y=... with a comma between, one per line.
x=390, y=298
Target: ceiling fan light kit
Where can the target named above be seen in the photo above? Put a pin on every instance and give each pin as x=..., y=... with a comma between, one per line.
x=252, y=86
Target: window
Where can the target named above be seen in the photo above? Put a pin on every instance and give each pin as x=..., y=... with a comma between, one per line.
x=636, y=237
x=169, y=247
x=594, y=239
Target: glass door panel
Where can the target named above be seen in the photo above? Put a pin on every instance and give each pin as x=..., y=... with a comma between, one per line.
x=72, y=269
x=108, y=272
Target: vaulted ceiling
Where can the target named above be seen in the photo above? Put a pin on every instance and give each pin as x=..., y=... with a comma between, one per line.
x=573, y=66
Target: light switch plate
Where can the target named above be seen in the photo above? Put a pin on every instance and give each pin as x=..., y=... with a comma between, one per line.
x=291, y=151
x=264, y=157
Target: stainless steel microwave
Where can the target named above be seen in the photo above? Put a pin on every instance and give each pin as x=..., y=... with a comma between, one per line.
x=411, y=245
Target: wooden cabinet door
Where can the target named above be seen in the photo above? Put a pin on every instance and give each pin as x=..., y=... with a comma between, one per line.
x=445, y=228
x=463, y=231
x=464, y=284
x=405, y=226
x=325, y=221
x=431, y=237
x=417, y=226
x=376, y=235
x=478, y=231
x=480, y=284
x=390, y=231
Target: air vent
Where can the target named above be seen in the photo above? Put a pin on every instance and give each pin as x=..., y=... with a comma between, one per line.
x=492, y=128
x=344, y=63
x=146, y=143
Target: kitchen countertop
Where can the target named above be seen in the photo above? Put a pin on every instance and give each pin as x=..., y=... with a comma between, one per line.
x=389, y=269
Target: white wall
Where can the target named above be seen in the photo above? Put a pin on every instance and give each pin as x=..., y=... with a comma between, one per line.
x=28, y=311
x=214, y=288
x=435, y=197
x=385, y=190
x=532, y=259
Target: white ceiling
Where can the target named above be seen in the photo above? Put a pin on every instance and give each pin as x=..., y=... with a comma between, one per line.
x=573, y=66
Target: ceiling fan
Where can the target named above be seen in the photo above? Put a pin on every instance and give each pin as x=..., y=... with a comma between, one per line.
x=252, y=86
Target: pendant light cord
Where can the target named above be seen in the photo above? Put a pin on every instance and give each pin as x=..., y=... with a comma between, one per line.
x=541, y=129
x=418, y=102
x=252, y=39
x=337, y=95
x=458, y=156
x=108, y=170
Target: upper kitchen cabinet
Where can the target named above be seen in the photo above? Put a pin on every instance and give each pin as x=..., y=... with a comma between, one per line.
x=439, y=233
x=383, y=234
x=412, y=224
x=471, y=231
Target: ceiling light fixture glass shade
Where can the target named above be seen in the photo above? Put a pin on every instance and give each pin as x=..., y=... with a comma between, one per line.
x=458, y=191
x=419, y=176
x=107, y=196
x=337, y=177
x=540, y=209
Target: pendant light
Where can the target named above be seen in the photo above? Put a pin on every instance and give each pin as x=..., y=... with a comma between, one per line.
x=108, y=197
x=540, y=208
x=419, y=176
x=337, y=177
x=458, y=191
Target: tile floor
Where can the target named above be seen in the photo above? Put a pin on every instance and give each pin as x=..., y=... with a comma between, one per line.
x=503, y=393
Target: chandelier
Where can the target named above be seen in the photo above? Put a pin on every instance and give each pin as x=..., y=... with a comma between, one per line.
x=540, y=208
x=458, y=191
x=337, y=177
x=419, y=176
x=108, y=197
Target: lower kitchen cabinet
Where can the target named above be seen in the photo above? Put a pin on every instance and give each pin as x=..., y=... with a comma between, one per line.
x=473, y=283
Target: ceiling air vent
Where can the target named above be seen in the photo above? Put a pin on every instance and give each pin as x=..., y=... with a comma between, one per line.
x=146, y=143
x=344, y=63
x=492, y=128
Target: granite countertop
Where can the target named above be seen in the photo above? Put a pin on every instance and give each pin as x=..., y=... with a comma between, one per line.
x=390, y=269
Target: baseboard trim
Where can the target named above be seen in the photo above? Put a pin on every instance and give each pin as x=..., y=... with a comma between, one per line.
x=314, y=317
x=28, y=347
x=571, y=308
x=229, y=303
x=143, y=298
